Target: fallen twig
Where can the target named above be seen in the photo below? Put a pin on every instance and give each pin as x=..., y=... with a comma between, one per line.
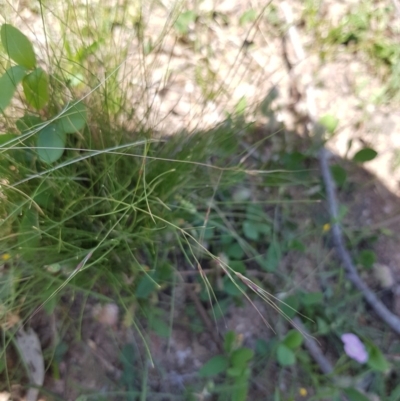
x=384, y=313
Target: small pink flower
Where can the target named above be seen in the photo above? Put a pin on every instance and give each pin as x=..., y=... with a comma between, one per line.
x=354, y=348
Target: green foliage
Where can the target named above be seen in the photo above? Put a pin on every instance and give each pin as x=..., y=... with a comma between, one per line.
x=51, y=140
x=18, y=46
x=339, y=174
x=376, y=360
x=73, y=118
x=367, y=258
x=50, y=143
x=234, y=363
x=354, y=395
x=274, y=256
x=36, y=88
x=29, y=234
x=293, y=339
x=365, y=155
x=8, y=83
x=285, y=355
x=82, y=183
x=216, y=365
x=285, y=351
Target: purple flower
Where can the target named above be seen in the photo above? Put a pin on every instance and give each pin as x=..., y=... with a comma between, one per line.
x=354, y=348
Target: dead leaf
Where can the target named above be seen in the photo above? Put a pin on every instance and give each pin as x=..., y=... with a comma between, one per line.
x=31, y=353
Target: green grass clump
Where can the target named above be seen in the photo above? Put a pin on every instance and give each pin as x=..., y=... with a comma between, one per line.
x=86, y=205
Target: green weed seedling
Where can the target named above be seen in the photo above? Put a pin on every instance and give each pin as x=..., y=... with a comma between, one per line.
x=285, y=351
x=233, y=365
x=51, y=135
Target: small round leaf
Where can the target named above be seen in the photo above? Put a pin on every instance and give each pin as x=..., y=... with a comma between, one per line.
x=36, y=88
x=285, y=355
x=365, y=155
x=214, y=366
x=50, y=143
x=241, y=357
x=293, y=339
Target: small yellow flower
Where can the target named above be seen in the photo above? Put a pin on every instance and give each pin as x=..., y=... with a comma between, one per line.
x=5, y=256
x=326, y=227
x=302, y=391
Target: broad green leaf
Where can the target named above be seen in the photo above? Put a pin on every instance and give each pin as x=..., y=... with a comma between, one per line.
x=365, y=155
x=293, y=339
x=376, y=360
x=241, y=357
x=28, y=236
x=214, y=366
x=36, y=88
x=73, y=119
x=329, y=122
x=285, y=355
x=18, y=46
x=354, y=395
x=8, y=84
x=50, y=143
